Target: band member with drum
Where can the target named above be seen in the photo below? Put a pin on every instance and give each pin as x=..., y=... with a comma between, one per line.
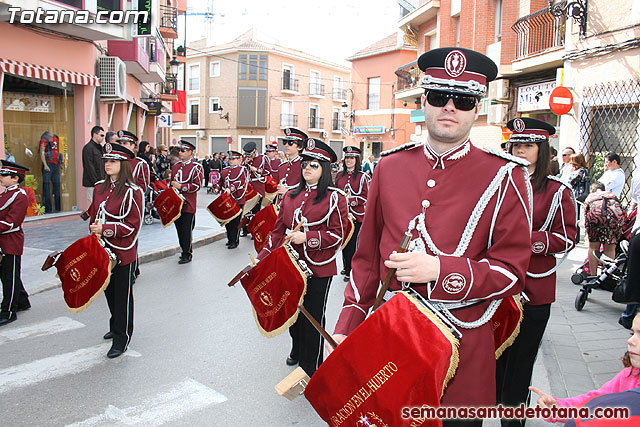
x=468, y=213
x=289, y=171
x=554, y=232
x=234, y=181
x=139, y=166
x=259, y=168
x=187, y=177
x=355, y=184
x=116, y=214
x=13, y=208
x=324, y=213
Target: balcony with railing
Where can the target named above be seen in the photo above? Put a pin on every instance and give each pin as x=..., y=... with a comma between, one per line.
x=289, y=84
x=339, y=94
x=408, y=83
x=288, y=120
x=316, y=90
x=168, y=21
x=539, y=33
x=337, y=125
x=316, y=122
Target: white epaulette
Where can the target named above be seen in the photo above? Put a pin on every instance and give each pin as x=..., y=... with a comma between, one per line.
x=134, y=186
x=506, y=156
x=99, y=182
x=403, y=147
x=560, y=180
x=338, y=191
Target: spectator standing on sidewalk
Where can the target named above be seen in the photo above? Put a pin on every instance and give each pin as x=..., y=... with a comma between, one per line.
x=92, y=163
x=565, y=167
x=604, y=219
x=206, y=166
x=613, y=177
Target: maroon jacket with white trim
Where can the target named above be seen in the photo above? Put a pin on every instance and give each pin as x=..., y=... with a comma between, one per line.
x=190, y=176
x=141, y=173
x=258, y=178
x=328, y=221
x=557, y=238
x=235, y=178
x=121, y=217
x=13, y=208
x=356, y=187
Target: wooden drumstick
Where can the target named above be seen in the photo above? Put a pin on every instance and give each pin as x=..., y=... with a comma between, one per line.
x=318, y=327
x=293, y=231
x=387, y=280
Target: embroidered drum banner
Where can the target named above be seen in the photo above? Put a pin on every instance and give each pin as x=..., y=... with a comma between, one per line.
x=371, y=376
x=275, y=287
x=270, y=191
x=261, y=226
x=169, y=206
x=251, y=197
x=224, y=208
x=84, y=269
x=505, y=323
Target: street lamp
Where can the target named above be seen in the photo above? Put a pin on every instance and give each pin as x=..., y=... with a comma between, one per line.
x=174, y=64
x=576, y=9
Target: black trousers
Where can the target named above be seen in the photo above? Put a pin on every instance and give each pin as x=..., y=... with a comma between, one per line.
x=184, y=227
x=233, y=234
x=206, y=177
x=119, y=295
x=254, y=211
x=14, y=295
x=515, y=366
x=350, y=249
x=308, y=344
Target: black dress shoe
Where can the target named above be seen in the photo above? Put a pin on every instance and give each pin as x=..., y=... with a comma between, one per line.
x=228, y=244
x=343, y=272
x=346, y=278
x=27, y=306
x=185, y=260
x=114, y=352
x=6, y=318
x=108, y=335
x=233, y=245
x=291, y=361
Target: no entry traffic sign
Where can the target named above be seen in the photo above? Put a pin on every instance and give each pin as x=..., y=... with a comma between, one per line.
x=561, y=100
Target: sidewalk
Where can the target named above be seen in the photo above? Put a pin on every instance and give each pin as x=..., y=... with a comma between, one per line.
x=155, y=242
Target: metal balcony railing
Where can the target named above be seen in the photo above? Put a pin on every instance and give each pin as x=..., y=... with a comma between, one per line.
x=169, y=17
x=336, y=124
x=288, y=120
x=316, y=123
x=373, y=101
x=339, y=94
x=290, y=84
x=316, y=89
x=539, y=32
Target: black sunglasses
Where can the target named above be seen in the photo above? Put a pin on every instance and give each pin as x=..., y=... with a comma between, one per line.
x=184, y=149
x=461, y=102
x=314, y=165
x=290, y=143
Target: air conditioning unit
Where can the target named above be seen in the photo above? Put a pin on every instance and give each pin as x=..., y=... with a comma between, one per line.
x=325, y=134
x=498, y=114
x=499, y=89
x=200, y=134
x=113, y=78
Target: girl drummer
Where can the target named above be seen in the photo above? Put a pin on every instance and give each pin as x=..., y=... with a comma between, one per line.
x=117, y=210
x=324, y=213
x=355, y=184
x=554, y=232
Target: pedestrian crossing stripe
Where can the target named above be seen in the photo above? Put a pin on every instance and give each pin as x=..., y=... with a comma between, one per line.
x=50, y=327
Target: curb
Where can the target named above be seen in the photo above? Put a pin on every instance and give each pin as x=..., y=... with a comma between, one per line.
x=149, y=256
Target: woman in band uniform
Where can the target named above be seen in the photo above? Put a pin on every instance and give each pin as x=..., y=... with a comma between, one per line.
x=234, y=181
x=324, y=213
x=554, y=232
x=355, y=184
x=117, y=210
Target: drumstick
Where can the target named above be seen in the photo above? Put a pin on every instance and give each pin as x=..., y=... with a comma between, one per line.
x=293, y=231
x=387, y=280
x=318, y=327
x=253, y=260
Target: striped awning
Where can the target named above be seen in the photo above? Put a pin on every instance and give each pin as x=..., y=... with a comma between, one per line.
x=25, y=69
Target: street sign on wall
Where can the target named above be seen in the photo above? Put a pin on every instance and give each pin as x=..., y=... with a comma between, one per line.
x=368, y=130
x=561, y=100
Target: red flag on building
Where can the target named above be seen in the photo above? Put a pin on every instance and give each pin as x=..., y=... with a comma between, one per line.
x=180, y=106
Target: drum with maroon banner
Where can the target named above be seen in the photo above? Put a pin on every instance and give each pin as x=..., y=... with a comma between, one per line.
x=224, y=209
x=261, y=226
x=169, y=206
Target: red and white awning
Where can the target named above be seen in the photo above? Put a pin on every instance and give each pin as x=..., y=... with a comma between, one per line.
x=47, y=73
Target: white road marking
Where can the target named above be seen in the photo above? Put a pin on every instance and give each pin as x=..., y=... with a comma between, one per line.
x=61, y=324
x=54, y=367
x=185, y=397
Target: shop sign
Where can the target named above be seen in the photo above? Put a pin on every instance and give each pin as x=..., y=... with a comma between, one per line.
x=165, y=120
x=154, y=108
x=143, y=27
x=13, y=101
x=368, y=130
x=535, y=97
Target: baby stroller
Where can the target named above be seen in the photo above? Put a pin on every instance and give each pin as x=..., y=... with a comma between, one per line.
x=214, y=176
x=155, y=187
x=614, y=270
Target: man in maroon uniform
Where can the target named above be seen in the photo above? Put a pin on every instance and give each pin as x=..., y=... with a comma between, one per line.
x=259, y=168
x=234, y=182
x=187, y=177
x=274, y=161
x=139, y=167
x=13, y=209
x=289, y=171
x=468, y=212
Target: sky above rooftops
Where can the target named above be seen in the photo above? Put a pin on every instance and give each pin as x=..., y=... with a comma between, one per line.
x=330, y=29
